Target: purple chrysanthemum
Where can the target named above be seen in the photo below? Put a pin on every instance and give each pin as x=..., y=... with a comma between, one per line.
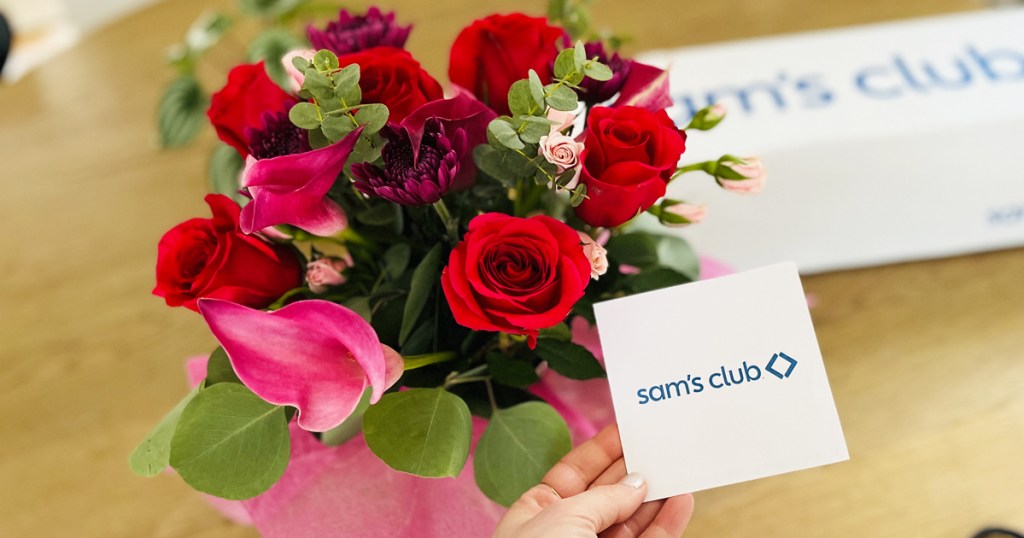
x=278, y=136
x=595, y=91
x=353, y=33
x=413, y=179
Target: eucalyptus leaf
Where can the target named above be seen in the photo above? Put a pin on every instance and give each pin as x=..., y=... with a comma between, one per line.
x=579, y=55
x=223, y=172
x=182, y=111
x=152, y=454
x=571, y=360
x=565, y=63
x=335, y=127
x=424, y=279
x=536, y=87
x=533, y=128
x=373, y=116
x=319, y=85
x=562, y=98
x=305, y=115
x=598, y=71
x=518, y=448
x=325, y=61
x=268, y=8
x=425, y=432
x=230, y=443
x=505, y=134
x=521, y=100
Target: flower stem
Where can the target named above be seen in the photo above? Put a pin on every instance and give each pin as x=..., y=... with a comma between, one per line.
x=490, y=395
x=701, y=166
x=469, y=376
x=449, y=222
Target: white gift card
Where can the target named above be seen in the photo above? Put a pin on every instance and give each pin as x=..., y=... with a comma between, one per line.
x=719, y=381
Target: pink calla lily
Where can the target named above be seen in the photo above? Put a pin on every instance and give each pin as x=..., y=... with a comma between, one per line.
x=314, y=355
x=292, y=189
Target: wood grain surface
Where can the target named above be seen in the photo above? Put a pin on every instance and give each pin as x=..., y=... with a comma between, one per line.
x=926, y=359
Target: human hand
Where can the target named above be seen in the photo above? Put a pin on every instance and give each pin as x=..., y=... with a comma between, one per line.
x=588, y=492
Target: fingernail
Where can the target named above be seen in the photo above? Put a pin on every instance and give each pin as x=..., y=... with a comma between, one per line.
x=633, y=480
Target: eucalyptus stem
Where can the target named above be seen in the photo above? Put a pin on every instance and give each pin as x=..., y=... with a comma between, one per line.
x=469, y=376
x=449, y=222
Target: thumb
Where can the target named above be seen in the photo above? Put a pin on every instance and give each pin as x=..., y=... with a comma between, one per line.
x=603, y=506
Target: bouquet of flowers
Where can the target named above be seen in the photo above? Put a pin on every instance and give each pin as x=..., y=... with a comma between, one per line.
x=399, y=276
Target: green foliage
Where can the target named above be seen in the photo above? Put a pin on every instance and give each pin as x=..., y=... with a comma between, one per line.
x=305, y=115
x=571, y=360
x=230, y=443
x=653, y=279
x=152, y=455
x=424, y=281
x=351, y=426
x=502, y=131
x=518, y=447
x=572, y=15
x=511, y=371
x=561, y=97
x=270, y=46
x=223, y=171
x=182, y=111
x=219, y=370
x=651, y=252
x=268, y=8
x=425, y=432
x=336, y=110
x=396, y=259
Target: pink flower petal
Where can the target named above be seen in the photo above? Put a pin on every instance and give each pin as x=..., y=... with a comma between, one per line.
x=463, y=111
x=292, y=189
x=314, y=355
x=646, y=87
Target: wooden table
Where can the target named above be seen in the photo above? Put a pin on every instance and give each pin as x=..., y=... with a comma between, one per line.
x=926, y=359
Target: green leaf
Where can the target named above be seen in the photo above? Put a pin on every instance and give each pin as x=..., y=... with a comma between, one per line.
x=562, y=98
x=565, y=63
x=335, y=127
x=510, y=370
x=396, y=259
x=536, y=87
x=571, y=360
x=346, y=83
x=557, y=332
x=223, y=171
x=425, y=432
x=219, y=370
x=230, y=443
x=317, y=139
x=578, y=195
x=639, y=249
x=598, y=71
x=373, y=116
x=270, y=46
x=152, y=454
x=503, y=165
x=675, y=253
x=325, y=60
x=319, y=85
x=579, y=56
x=267, y=8
x=380, y=215
x=206, y=31
x=300, y=63
x=424, y=279
x=533, y=128
x=653, y=279
x=182, y=111
x=305, y=115
x=351, y=425
x=503, y=131
x=521, y=100
x=518, y=448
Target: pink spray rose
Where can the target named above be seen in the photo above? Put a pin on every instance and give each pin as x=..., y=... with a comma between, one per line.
x=691, y=213
x=563, y=152
x=751, y=172
x=296, y=77
x=326, y=272
x=596, y=255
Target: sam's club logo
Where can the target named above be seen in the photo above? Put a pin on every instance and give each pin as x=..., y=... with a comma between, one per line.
x=780, y=366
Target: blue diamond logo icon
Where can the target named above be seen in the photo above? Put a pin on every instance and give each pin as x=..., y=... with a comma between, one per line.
x=771, y=367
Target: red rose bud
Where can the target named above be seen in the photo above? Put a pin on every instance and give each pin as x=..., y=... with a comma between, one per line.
x=515, y=275
x=629, y=158
x=413, y=178
x=391, y=76
x=240, y=105
x=593, y=91
x=707, y=118
x=745, y=176
x=350, y=33
x=492, y=53
x=212, y=258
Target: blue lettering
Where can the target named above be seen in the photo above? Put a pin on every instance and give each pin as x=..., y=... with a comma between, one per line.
x=747, y=368
x=661, y=393
x=991, y=63
x=875, y=91
x=642, y=394
x=712, y=381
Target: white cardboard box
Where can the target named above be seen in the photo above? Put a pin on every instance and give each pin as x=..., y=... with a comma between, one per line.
x=883, y=143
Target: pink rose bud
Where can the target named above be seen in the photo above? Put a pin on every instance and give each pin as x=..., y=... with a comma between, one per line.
x=325, y=272
x=296, y=77
x=563, y=152
x=717, y=112
x=562, y=120
x=597, y=255
x=707, y=118
x=690, y=213
x=746, y=177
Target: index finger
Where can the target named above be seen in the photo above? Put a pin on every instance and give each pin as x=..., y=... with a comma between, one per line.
x=581, y=466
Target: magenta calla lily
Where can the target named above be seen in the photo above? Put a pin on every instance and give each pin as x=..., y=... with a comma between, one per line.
x=646, y=87
x=292, y=189
x=462, y=111
x=314, y=355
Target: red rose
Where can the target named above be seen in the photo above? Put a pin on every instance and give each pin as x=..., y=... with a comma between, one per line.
x=515, y=275
x=494, y=52
x=240, y=105
x=213, y=258
x=391, y=76
x=629, y=156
